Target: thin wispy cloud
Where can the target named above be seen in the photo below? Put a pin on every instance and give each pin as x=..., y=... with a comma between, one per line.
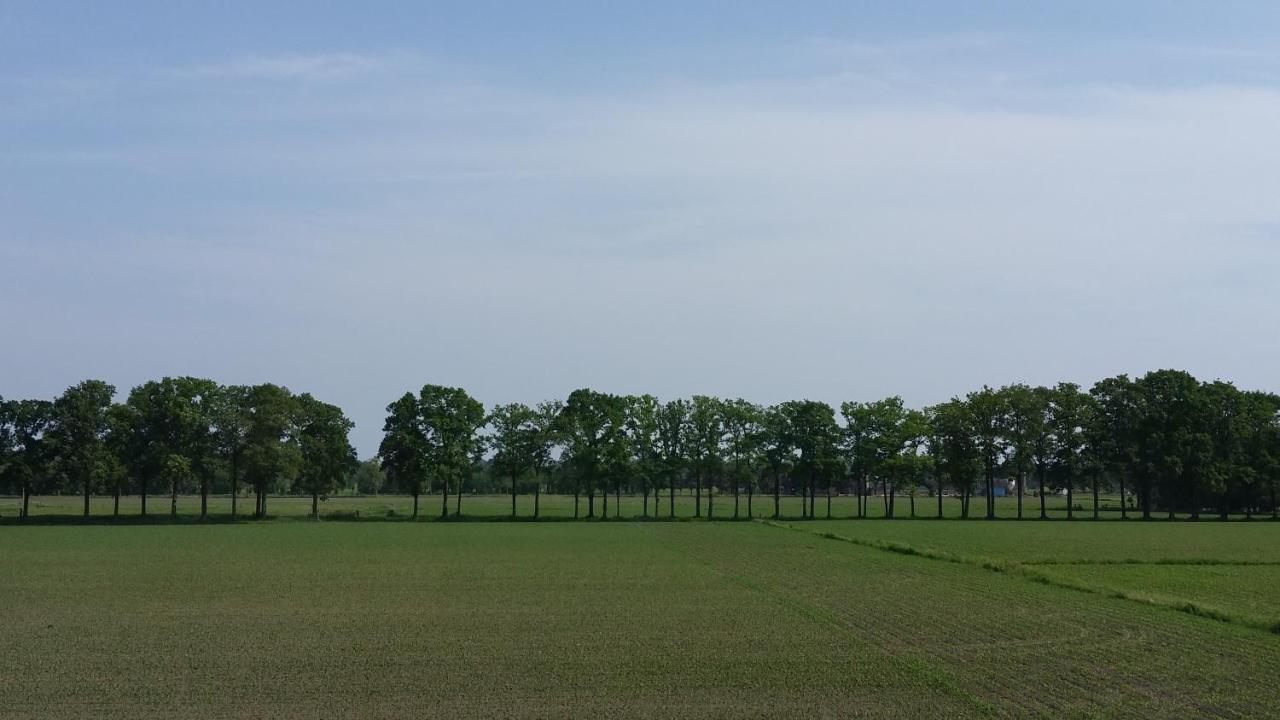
x=857, y=217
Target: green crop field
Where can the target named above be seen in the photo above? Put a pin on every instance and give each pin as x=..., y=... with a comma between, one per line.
x=634, y=619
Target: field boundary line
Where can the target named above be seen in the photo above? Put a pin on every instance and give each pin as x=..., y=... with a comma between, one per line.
x=1023, y=570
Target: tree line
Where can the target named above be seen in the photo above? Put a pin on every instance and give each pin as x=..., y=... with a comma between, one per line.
x=1166, y=440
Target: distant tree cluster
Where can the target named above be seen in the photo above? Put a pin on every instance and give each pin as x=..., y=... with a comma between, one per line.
x=175, y=435
x=1165, y=442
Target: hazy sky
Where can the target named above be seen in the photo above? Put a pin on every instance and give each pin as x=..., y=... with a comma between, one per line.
x=832, y=200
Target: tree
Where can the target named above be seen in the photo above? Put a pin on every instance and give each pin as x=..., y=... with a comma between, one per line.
x=78, y=434
x=741, y=420
x=367, y=478
x=547, y=439
x=859, y=451
x=325, y=451
x=585, y=425
x=673, y=436
x=989, y=412
x=515, y=441
x=451, y=420
x=816, y=437
x=404, y=448
x=642, y=421
x=1174, y=445
x=25, y=424
x=271, y=453
x=1025, y=423
x=1070, y=414
x=706, y=433
x=903, y=436
x=776, y=449
x=232, y=416
x=957, y=454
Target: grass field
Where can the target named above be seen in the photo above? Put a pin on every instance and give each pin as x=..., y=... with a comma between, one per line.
x=388, y=619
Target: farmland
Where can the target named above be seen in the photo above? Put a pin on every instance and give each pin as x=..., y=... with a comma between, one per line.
x=632, y=619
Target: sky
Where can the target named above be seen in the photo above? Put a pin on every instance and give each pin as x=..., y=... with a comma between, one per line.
x=824, y=200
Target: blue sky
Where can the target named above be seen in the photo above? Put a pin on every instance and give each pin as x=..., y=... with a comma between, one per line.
x=832, y=200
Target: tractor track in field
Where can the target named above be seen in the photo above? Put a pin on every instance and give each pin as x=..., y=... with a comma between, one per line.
x=1029, y=571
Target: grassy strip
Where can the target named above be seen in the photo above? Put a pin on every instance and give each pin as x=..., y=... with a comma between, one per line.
x=1158, y=561
x=1011, y=567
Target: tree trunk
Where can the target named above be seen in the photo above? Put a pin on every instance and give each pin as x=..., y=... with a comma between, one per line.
x=1043, y=515
x=144, y=497
x=264, y=503
x=457, y=501
x=644, y=511
x=1022, y=479
x=828, y=501
x=892, y=490
x=777, y=494
x=575, y=503
x=173, y=499
x=115, y=503
x=939, y=499
x=444, y=500
x=513, y=496
x=751, y=496
x=26, y=499
x=671, y=497
x=234, y=492
x=813, y=495
x=1095, y=496
x=204, y=498
x=1124, y=500
x=697, y=503
x=86, y=497
x=591, y=503
x=711, y=500
x=315, y=506
x=617, y=498
x=1071, y=483
x=913, y=507
x=605, y=513
x=537, y=497
x=736, y=490
x=414, y=516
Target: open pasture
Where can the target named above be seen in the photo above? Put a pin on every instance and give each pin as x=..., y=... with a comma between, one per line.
x=298, y=619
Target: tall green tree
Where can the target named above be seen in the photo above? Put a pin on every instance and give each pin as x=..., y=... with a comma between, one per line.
x=642, y=421
x=404, y=448
x=271, y=455
x=514, y=442
x=451, y=420
x=232, y=415
x=776, y=449
x=1070, y=415
x=706, y=434
x=816, y=438
x=673, y=447
x=1115, y=433
x=27, y=458
x=586, y=425
x=1025, y=423
x=741, y=422
x=324, y=448
x=955, y=446
x=989, y=411
x=78, y=434
x=859, y=447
